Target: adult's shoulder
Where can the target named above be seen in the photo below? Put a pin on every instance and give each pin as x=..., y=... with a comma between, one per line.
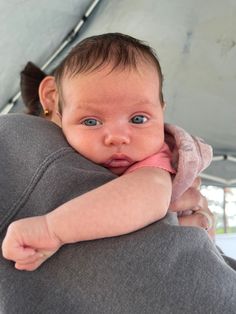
x=19, y=128
x=39, y=169
x=163, y=268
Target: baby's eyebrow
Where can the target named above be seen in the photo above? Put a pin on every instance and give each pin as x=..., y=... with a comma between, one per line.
x=95, y=106
x=88, y=106
x=144, y=102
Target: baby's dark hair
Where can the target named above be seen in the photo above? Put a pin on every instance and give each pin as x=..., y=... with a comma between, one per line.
x=91, y=54
x=119, y=50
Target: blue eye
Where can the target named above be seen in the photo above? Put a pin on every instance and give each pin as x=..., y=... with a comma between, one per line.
x=139, y=119
x=91, y=122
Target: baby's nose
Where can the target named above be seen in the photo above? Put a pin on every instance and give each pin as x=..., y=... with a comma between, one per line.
x=117, y=139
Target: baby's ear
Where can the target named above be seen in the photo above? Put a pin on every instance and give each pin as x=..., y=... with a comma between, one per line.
x=48, y=94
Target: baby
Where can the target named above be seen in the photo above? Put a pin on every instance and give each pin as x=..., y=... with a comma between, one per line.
x=107, y=98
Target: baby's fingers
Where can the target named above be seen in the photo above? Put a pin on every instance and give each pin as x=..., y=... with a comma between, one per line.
x=34, y=261
x=17, y=253
x=29, y=259
x=30, y=266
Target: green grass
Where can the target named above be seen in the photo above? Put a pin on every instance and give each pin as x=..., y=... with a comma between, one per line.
x=229, y=230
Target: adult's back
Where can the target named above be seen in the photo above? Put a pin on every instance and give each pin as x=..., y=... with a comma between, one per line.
x=162, y=268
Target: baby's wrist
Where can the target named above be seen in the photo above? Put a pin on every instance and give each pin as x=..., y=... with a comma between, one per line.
x=53, y=229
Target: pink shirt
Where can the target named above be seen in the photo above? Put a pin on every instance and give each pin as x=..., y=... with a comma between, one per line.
x=161, y=159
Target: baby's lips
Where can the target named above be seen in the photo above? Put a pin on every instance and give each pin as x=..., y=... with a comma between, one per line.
x=117, y=161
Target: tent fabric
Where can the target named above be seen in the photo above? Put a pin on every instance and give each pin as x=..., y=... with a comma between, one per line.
x=195, y=42
x=32, y=30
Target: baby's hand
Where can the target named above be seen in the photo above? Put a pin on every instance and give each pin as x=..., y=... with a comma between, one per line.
x=29, y=243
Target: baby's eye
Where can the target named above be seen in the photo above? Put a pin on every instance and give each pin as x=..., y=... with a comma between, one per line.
x=139, y=119
x=91, y=122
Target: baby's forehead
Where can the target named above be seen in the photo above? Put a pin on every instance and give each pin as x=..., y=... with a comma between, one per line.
x=107, y=81
x=110, y=66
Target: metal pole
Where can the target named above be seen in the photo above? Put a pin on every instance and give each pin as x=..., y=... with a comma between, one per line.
x=224, y=213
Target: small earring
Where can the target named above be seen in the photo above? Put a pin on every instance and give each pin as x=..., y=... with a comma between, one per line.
x=46, y=112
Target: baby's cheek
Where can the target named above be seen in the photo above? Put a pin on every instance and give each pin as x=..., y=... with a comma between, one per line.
x=89, y=151
x=72, y=141
x=155, y=144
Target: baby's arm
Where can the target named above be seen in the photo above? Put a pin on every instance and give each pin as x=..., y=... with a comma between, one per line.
x=123, y=205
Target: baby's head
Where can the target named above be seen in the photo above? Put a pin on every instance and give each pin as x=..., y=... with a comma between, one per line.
x=114, y=50
x=107, y=97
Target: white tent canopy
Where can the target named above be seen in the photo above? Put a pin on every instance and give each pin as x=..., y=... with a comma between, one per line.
x=195, y=42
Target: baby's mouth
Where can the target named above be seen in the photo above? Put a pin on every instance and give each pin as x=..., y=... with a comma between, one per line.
x=117, y=161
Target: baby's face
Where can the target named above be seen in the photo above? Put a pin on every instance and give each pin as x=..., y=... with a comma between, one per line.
x=114, y=119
